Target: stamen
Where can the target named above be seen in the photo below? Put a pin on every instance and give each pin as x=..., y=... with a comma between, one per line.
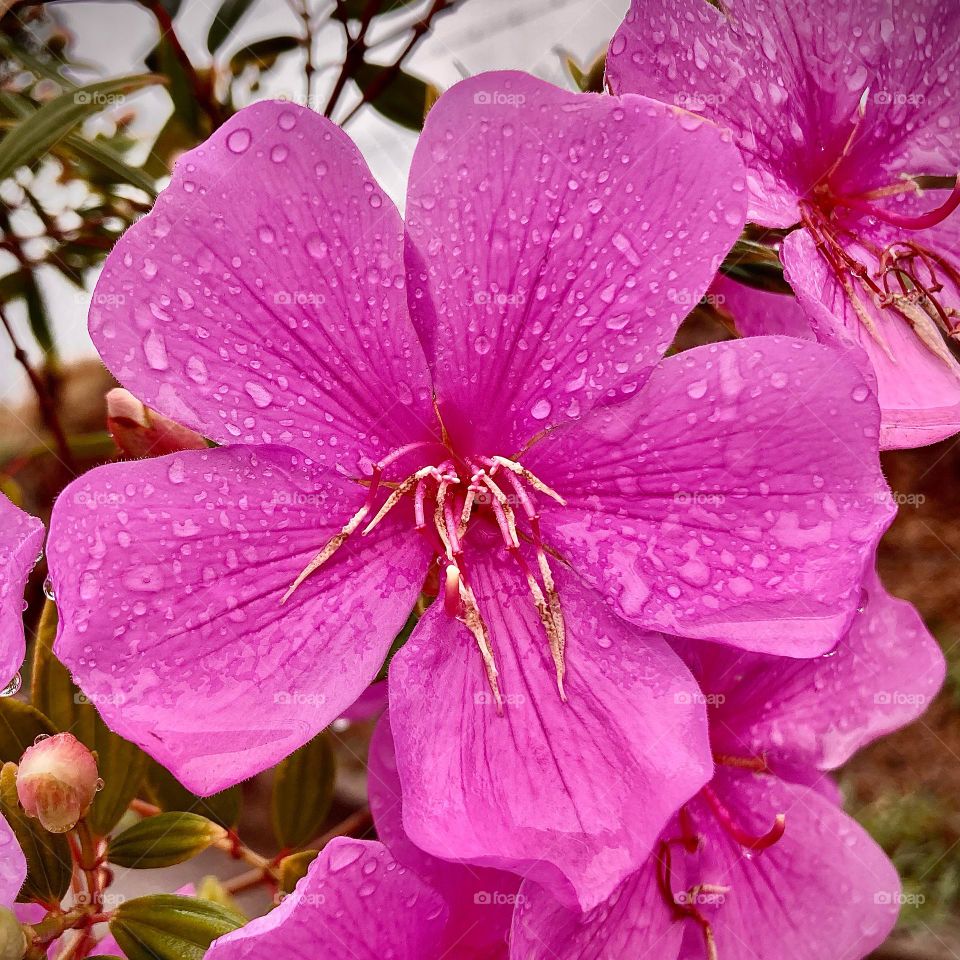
x=451, y=591
x=746, y=840
x=531, y=478
x=919, y=222
x=757, y=764
x=398, y=494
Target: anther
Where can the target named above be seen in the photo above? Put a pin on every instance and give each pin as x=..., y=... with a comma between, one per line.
x=746, y=840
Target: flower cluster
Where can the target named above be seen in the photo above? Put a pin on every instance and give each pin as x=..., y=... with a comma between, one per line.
x=651, y=624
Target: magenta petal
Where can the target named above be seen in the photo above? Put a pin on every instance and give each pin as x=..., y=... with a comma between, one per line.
x=819, y=712
x=480, y=900
x=758, y=313
x=13, y=866
x=569, y=794
x=355, y=903
x=21, y=537
x=738, y=497
x=919, y=394
x=786, y=82
x=555, y=242
x=263, y=299
x=825, y=889
x=633, y=922
x=169, y=575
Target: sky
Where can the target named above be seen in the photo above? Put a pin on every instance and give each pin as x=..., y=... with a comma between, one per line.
x=113, y=37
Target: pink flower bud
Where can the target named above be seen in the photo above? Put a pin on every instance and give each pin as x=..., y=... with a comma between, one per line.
x=56, y=781
x=142, y=432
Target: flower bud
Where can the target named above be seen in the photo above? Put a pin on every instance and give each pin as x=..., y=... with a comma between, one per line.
x=142, y=432
x=13, y=942
x=56, y=781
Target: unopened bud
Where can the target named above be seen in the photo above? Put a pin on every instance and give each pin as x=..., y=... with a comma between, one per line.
x=56, y=781
x=142, y=432
x=13, y=942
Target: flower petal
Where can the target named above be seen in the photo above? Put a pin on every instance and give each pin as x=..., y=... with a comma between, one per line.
x=758, y=313
x=355, y=903
x=21, y=537
x=919, y=393
x=262, y=299
x=634, y=922
x=169, y=575
x=555, y=242
x=738, y=497
x=819, y=712
x=13, y=865
x=824, y=889
x=570, y=794
x=786, y=83
x=480, y=900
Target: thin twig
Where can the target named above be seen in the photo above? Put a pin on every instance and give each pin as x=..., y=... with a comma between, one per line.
x=353, y=57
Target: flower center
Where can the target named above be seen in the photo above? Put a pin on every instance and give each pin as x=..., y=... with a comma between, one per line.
x=689, y=904
x=907, y=280
x=451, y=495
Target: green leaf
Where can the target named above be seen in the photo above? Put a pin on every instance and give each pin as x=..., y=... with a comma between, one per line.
x=122, y=766
x=163, y=840
x=403, y=100
x=589, y=79
x=30, y=139
x=49, y=867
x=354, y=9
x=294, y=868
x=52, y=690
x=20, y=725
x=303, y=792
x=167, y=926
x=228, y=16
x=169, y=794
x=263, y=54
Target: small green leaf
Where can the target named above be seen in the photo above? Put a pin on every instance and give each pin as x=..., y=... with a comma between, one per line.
x=228, y=16
x=122, y=766
x=403, y=100
x=169, y=794
x=33, y=136
x=163, y=840
x=303, y=792
x=294, y=868
x=354, y=9
x=49, y=866
x=167, y=926
x=20, y=725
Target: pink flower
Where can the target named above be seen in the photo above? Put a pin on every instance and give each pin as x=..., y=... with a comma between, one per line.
x=57, y=781
x=763, y=862
x=846, y=117
x=21, y=537
x=356, y=902
x=504, y=408
x=13, y=866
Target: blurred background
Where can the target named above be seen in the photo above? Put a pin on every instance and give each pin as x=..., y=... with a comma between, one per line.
x=97, y=99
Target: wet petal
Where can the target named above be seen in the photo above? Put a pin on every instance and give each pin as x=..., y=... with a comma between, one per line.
x=759, y=313
x=819, y=712
x=21, y=537
x=355, y=903
x=169, y=575
x=262, y=300
x=555, y=241
x=919, y=393
x=737, y=497
x=13, y=866
x=570, y=794
x=787, y=83
x=480, y=900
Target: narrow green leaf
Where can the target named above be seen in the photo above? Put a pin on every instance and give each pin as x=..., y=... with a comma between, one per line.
x=49, y=866
x=263, y=53
x=170, y=927
x=403, y=100
x=294, y=868
x=36, y=134
x=123, y=766
x=20, y=725
x=163, y=840
x=228, y=16
x=303, y=792
x=169, y=794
